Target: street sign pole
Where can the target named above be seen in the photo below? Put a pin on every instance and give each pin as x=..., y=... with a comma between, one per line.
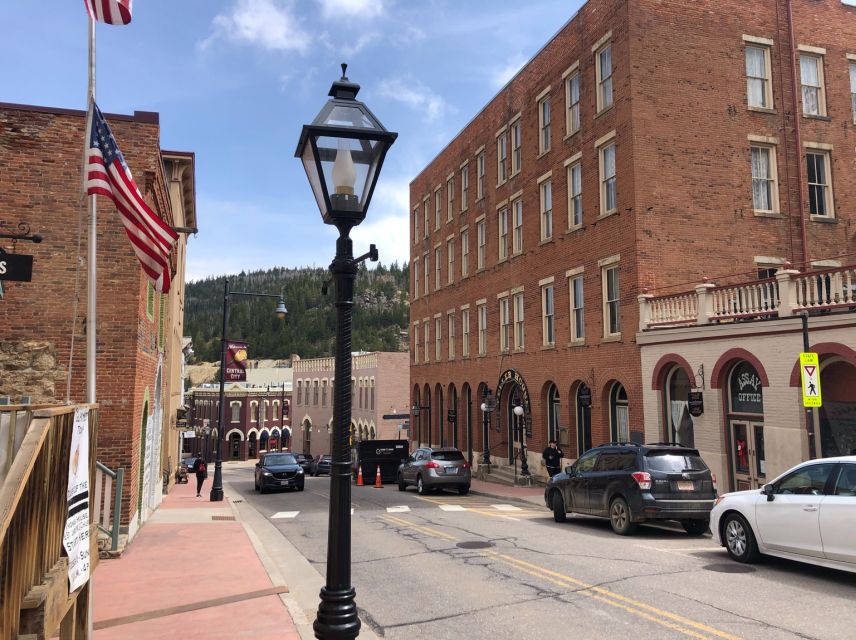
x=809, y=411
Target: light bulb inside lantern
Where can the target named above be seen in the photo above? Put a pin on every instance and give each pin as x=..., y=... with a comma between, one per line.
x=344, y=174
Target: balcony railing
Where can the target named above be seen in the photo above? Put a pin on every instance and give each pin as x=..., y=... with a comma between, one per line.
x=787, y=293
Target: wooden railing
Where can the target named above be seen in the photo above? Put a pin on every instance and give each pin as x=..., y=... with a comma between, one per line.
x=787, y=293
x=14, y=421
x=34, y=598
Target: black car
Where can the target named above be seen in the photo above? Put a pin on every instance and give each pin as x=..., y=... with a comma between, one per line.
x=631, y=483
x=320, y=465
x=304, y=460
x=278, y=471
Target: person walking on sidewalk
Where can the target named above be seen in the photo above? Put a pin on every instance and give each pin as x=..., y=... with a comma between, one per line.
x=552, y=458
x=201, y=471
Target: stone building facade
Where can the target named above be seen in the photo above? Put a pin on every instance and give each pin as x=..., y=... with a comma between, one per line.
x=647, y=146
x=139, y=332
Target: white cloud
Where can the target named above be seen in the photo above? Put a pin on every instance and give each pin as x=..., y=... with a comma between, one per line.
x=415, y=95
x=348, y=49
x=337, y=9
x=387, y=223
x=501, y=75
x=269, y=24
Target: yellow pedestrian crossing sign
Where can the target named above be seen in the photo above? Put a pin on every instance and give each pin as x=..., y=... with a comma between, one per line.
x=810, y=375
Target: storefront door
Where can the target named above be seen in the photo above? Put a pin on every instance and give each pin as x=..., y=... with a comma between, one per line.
x=748, y=466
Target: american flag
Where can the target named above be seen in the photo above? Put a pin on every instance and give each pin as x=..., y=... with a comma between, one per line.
x=109, y=11
x=108, y=175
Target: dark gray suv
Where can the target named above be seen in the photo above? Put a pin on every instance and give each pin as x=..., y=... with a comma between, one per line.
x=631, y=483
x=443, y=468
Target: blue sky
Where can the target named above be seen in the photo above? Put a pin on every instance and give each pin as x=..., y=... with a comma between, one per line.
x=235, y=80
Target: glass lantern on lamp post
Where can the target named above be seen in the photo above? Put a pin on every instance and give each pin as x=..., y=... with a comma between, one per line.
x=342, y=152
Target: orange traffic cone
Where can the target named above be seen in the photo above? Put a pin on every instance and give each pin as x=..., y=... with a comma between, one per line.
x=360, y=476
x=377, y=483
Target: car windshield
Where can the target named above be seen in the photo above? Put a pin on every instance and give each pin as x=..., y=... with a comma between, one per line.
x=450, y=456
x=280, y=458
x=674, y=462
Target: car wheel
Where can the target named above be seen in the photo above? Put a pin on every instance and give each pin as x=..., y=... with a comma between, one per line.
x=420, y=488
x=695, y=527
x=558, y=504
x=739, y=539
x=619, y=517
x=464, y=489
x=262, y=489
x=401, y=485
x=256, y=485
x=300, y=487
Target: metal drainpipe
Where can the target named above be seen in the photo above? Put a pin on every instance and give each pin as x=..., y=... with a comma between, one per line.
x=797, y=116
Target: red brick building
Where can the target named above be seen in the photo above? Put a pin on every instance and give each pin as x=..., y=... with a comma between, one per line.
x=138, y=330
x=649, y=144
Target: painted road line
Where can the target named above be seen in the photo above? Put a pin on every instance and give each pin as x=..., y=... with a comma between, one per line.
x=641, y=609
x=402, y=508
x=506, y=507
x=452, y=507
x=284, y=514
x=426, y=530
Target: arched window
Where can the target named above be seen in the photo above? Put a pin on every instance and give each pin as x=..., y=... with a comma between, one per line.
x=679, y=422
x=324, y=393
x=236, y=411
x=371, y=399
x=254, y=411
x=619, y=413
x=299, y=392
x=315, y=392
x=553, y=413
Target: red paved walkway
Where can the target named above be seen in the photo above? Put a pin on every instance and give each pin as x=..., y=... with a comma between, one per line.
x=173, y=564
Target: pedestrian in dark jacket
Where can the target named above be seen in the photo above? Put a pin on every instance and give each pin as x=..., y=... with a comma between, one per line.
x=201, y=471
x=552, y=458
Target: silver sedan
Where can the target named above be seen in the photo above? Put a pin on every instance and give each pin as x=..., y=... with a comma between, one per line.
x=428, y=469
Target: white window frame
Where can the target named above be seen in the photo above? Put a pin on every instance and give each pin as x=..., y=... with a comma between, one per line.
x=770, y=150
x=572, y=100
x=851, y=68
x=548, y=313
x=438, y=337
x=766, y=80
x=519, y=322
x=501, y=157
x=450, y=323
x=544, y=125
x=438, y=268
x=426, y=205
x=502, y=232
x=438, y=201
x=517, y=226
x=482, y=327
x=516, y=147
x=450, y=260
x=465, y=332
x=465, y=253
x=481, y=243
x=819, y=88
x=450, y=198
x=465, y=186
x=607, y=182
x=605, y=93
x=416, y=278
x=426, y=340
x=611, y=301
x=426, y=275
x=416, y=342
x=545, y=191
x=574, y=177
x=480, y=170
x=504, y=323
x=576, y=304
x=416, y=224
x=825, y=152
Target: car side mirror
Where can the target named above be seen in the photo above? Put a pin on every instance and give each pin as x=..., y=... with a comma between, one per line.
x=570, y=470
x=768, y=490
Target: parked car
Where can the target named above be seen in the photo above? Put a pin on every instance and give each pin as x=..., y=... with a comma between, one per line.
x=442, y=468
x=632, y=483
x=278, y=471
x=304, y=460
x=320, y=465
x=806, y=514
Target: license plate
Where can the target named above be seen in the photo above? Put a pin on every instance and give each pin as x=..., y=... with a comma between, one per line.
x=686, y=485
x=451, y=469
x=285, y=481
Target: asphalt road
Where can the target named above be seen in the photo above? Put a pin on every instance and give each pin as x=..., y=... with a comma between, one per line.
x=446, y=566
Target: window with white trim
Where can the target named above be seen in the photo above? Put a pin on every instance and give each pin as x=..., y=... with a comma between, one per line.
x=465, y=187
x=465, y=253
x=516, y=150
x=811, y=80
x=415, y=225
x=426, y=206
x=518, y=321
x=502, y=219
x=481, y=237
x=818, y=170
x=572, y=99
x=482, y=311
x=504, y=324
x=852, y=67
x=426, y=340
x=236, y=411
x=575, y=195
x=480, y=176
x=759, y=88
x=765, y=192
x=608, y=187
x=450, y=196
x=465, y=333
x=416, y=278
x=450, y=320
x=604, y=77
x=415, y=343
x=548, y=314
x=546, y=190
x=517, y=224
x=578, y=326
x=438, y=335
x=611, y=304
x=544, y=125
x=438, y=268
x=501, y=158
x=438, y=201
x=450, y=257
x=426, y=272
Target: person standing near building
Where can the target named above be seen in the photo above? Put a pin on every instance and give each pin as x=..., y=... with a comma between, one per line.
x=201, y=471
x=552, y=458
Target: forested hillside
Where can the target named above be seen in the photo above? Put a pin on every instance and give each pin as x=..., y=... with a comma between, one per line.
x=380, y=312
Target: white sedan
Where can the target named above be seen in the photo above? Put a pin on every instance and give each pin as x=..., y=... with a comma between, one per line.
x=807, y=514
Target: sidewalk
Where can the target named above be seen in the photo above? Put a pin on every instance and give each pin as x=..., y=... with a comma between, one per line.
x=535, y=495
x=191, y=572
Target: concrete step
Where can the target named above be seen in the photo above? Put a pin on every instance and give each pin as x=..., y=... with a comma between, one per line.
x=505, y=475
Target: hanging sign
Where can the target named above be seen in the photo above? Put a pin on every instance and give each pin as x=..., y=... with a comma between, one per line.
x=452, y=416
x=236, y=361
x=14, y=266
x=695, y=403
x=810, y=374
x=75, y=538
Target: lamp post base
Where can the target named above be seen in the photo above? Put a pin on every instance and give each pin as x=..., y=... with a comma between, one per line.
x=216, y=494
x=337, y=617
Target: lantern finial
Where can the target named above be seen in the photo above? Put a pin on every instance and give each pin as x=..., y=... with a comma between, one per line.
x=344, y=71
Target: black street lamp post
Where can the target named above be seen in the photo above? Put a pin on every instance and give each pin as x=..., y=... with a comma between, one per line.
x=487, y=406
x=342, y=152
x=217, y=486
x=521, y=427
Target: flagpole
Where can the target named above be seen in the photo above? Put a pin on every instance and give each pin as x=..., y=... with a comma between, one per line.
x=92, y=243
